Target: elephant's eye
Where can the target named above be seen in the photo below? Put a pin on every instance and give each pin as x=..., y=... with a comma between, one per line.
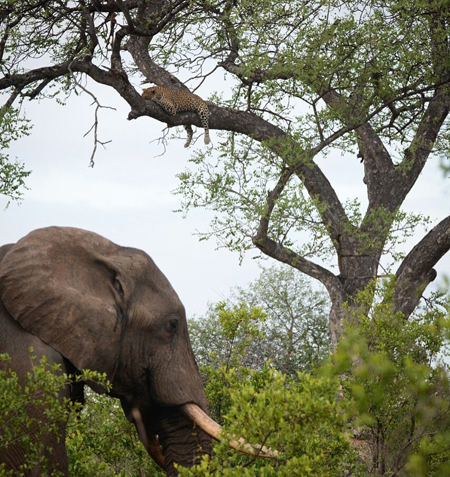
x=118, y=287
x=172, y=325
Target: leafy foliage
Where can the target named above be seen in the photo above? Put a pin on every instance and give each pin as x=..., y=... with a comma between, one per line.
x=34, y=408
x=100, y=441
x=376, y=64
x=277, y=317
x=390, y=383
x=301, y=418
x=396, y=375
x=12, y=174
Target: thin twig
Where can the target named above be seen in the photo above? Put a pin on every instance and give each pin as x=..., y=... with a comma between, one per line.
x=94, y=127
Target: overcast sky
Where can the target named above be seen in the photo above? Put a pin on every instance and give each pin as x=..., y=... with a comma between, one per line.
x=127, y=196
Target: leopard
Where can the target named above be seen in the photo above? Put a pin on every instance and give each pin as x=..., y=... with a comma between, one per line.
x=174, y=102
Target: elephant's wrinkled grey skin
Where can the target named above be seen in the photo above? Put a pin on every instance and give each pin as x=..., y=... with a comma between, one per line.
x=85, y=302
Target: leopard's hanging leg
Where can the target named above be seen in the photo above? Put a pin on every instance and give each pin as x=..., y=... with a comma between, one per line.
x=203, y=114
x=190, y=133
x=204, y=118
x=207, y=138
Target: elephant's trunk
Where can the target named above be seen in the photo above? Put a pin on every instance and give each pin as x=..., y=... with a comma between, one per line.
x=171, y=437
x=181, y=442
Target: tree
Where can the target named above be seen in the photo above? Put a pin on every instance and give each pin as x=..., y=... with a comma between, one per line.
x=277, y=317
x=306, y=79
x=297, y=332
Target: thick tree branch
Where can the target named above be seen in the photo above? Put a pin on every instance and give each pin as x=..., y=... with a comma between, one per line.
x=116, y=59
x=416, y=155
x=91, y=31
x=138, y=48
x=11, y=99
x=272, y=198
x=283, y=254
x=416, y=270
x=377, y=161
x=20, y=80
x=288, y=256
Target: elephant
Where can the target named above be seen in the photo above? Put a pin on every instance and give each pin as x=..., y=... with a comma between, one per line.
x=87, y=303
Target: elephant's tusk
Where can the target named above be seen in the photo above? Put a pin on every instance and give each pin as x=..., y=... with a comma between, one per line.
x=155, y=451
x=208, y=425
x=137, y=416
x=151, y=443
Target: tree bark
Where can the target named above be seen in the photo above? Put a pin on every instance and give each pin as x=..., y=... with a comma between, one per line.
x=416, y=271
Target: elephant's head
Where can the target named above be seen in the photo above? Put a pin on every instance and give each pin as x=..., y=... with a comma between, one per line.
x=110, y=309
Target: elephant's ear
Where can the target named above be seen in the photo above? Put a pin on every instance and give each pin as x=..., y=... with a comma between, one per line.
x=58, y=283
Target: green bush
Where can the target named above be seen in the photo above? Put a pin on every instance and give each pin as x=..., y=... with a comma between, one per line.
x=379, y=406
x=302, y=418
x=99, y=439
x=396, y=375
x=32, y=409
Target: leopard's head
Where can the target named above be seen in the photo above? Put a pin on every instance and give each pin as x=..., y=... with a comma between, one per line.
x=150, y=93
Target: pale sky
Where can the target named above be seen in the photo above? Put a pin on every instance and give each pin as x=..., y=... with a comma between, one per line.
x=127, y=196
